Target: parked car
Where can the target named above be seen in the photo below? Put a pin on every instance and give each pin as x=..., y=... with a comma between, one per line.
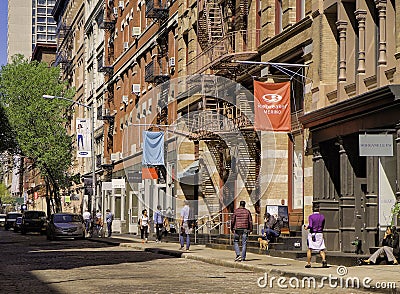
x=17, y=224
x=65, y=225
x=33, y=221
x=11, y=217
x=2, y=219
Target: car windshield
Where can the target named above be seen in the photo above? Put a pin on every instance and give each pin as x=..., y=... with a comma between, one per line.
x=13, y=216
x=34, y=214
x=67, y=218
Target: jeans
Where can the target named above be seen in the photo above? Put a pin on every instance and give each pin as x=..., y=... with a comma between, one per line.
x=385, y=249
x=144, y=232
x=236, y=237
x=186, y=228
x=87, y=225
x=109, y=231
x=269, y=233
x=159, y=231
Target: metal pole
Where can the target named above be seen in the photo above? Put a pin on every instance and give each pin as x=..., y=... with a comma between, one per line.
x=93, y=165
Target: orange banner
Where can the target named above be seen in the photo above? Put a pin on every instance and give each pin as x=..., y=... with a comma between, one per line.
x=149, y=173
x=272, y=106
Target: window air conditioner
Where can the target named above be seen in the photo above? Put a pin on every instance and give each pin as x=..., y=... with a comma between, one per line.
x=114, y=156
x=125, y=99
x=136, y=89
x=135, y=31
x=172, y=61
x=126, y=45
x=121, y=4
x=115, y=11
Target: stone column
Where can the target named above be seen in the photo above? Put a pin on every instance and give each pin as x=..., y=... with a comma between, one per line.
x=360, y=85
x=360, y=16
x=382, y=57
x=381, y=6
x=342, y=28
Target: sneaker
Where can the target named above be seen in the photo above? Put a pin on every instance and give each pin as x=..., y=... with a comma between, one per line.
x=181, y=248
x=324, y=263
x=187, y=249
x=238, y=258
x=308, y=266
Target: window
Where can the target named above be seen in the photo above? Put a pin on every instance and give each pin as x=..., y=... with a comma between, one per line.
x=41, y=2
x=41, y=37
x=41, y=19
x=41, y=10
x=41, y=28
x=50, y=20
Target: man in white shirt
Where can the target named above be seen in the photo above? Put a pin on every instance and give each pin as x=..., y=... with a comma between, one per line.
x=87, y=218
x=185, y=226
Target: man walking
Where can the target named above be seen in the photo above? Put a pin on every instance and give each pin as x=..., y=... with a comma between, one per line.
x=109, y=220
x=87, y=218
x=315, y=239
x=158, y=222
x=242, y=225
x=185, y=230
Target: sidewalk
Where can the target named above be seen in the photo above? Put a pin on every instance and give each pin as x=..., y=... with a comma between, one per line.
x=384, y=278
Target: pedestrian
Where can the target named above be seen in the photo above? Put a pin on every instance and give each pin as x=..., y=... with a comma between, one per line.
x=109, y=220
x=242, y=225
x=158, y=222
x=166, y=226
x=185, y=230
x=87, y=219
x=390, y=246
x=315, y=238
x=272, y=227
x=99, y=223
x=144, y=226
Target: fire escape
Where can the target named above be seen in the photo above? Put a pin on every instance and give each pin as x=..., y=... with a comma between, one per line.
x=64, y=48
x=107, y=22
x=220, y=120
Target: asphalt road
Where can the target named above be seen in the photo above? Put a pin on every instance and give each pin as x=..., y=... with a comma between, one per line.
x=32, y=264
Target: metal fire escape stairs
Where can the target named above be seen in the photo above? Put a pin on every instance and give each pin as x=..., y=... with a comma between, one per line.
x=210, y=23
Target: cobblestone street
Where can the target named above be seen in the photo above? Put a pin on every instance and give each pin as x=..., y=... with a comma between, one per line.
x=31, y=264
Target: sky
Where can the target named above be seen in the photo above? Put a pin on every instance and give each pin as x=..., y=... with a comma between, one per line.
x=3, y=31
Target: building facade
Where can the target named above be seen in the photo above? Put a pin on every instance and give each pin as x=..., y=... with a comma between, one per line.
x=38, y=26
x=186, y=68
x=354, y=95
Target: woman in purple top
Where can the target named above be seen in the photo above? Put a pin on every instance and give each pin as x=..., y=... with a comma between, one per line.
x=315, y=238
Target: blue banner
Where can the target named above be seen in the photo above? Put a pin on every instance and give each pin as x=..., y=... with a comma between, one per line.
x=153, y=148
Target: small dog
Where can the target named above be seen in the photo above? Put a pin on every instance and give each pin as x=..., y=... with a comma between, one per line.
x=263, y=244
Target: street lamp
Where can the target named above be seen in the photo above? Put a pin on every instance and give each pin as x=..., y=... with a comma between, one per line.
x=91, y=108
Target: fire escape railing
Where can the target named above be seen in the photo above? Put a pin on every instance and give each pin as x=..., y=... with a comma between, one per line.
x=238, y=43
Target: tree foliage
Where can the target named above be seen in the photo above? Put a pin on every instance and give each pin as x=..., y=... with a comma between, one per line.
x=5, y=196
x=37, y=123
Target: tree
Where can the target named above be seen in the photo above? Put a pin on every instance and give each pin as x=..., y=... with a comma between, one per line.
x=5, y=196
x=7, y=136
x=39, y=125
